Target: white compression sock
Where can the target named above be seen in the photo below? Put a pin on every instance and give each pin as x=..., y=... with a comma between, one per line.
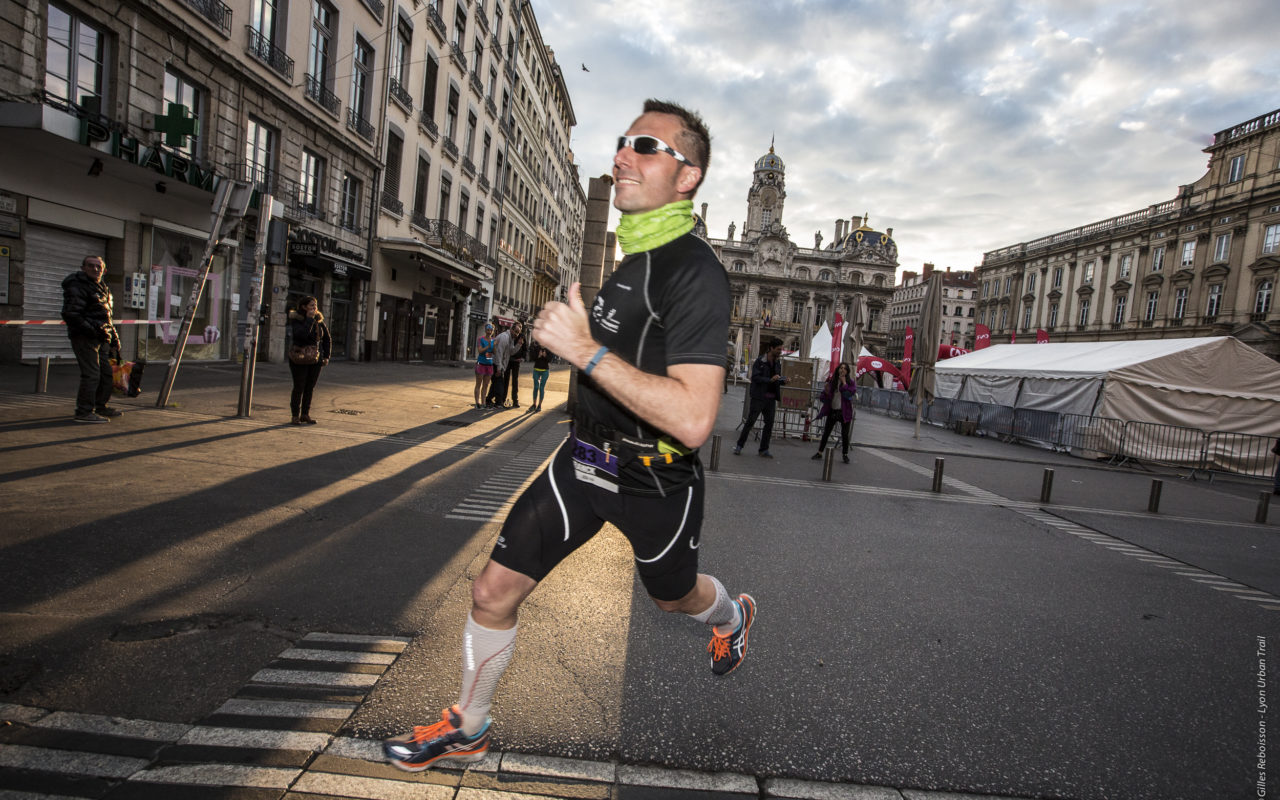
x=723, y=612
x=485, y=656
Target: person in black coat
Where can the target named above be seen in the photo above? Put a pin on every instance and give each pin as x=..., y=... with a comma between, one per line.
x=306, y=330
x=766, y=388
x=86, y=308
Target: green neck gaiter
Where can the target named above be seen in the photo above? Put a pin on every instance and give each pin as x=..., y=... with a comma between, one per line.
x=640, y=232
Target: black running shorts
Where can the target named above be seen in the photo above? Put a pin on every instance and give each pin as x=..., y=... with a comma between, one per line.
x=560, y=512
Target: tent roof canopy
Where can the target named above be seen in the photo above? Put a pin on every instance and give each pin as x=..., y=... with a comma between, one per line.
x=1069, y=359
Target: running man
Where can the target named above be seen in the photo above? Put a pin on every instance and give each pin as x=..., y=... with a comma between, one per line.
x=650, y=352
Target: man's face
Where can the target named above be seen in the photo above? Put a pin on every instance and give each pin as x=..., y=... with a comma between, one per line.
x=775, y=352
x=94, y=268
x=645, y=182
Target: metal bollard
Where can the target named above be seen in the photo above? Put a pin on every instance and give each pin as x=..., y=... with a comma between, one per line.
x=42, y=375
x=937, y=473
x=1153, y=502
x=1264, y=505
x=715, y=453
x=1046, y=486
x=828, y=458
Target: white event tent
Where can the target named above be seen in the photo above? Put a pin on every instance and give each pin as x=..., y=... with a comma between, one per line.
x=1210, y=383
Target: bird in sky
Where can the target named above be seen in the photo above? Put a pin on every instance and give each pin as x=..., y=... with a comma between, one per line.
x=584, y=68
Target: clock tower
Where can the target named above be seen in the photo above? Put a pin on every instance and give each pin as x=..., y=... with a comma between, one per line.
x=765, y=198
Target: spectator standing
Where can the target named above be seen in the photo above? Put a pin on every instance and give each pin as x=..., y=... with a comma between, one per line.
x=838, y=397
x=519, y=351
x=501, y=354
x=308, y=354
x=766, y=387
x=541, y=369
x=484, y=363
x=86, y=308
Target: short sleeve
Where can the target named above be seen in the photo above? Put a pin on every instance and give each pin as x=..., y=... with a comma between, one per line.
x=694, y=310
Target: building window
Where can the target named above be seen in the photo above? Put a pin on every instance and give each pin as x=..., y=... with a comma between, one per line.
x=178, y=90
x=360, y=78
x=1057, y=277
x=469, y=148
x=1222, y=247
x=1237, y=169
x=484, y=155
x=1053, y=315
x=1153, y=299
x=391, y=180
x=1026, y=318
x=352, y=188
x=1008, y=283
x=311, y=183
x=1262, y=300
x=1031, y=283
x=479, y=221
x=263, y=19
x=1126, y=265
x=1084, y=311
x=1180, y=303
x=819, y=314
x=459, y=26
x=260, y=153
x=1188, y=254
x=1271, y=239
x=739, y=266
x=451, y=114
x=320, y=56
x=766, y=218
x=1088, y=271
x=421, y=181
x=431, y=76
x=1157, y=259
x=824, y=275
x=796, y=310
x=464, y=206
x=1215, y=300
x=737, y=305
x=75, y=58
x=446, y=189
x=1122, y=300
x=400, y=53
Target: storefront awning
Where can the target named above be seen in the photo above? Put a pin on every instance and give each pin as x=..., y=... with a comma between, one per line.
x=411, y=252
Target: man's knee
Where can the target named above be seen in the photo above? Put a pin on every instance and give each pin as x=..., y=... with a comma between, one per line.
x=499, y=591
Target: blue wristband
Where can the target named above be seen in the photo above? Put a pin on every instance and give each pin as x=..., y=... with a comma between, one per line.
x=594, y=360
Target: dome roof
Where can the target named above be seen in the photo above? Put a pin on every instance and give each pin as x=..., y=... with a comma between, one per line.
x=770, y=160
x=865, y=234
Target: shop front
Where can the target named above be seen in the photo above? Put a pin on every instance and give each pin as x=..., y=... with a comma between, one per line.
x=320, y=267
x=432, y=323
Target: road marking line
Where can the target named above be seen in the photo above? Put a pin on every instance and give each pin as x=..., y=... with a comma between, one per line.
x=358, y=638
x=293, y=676
x=222, y=775
x=286, y=708
x=340, y=656
x=249, y=737
x=47, y=759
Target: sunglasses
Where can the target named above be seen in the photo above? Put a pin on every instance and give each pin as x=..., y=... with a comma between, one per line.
x=648, y=145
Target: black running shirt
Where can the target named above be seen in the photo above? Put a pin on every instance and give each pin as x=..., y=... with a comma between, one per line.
x=665, y=306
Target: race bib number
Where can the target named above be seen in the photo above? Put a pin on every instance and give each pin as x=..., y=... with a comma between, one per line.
x=592, y=456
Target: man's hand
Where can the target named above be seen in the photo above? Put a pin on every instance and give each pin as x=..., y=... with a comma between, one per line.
x=565, y=330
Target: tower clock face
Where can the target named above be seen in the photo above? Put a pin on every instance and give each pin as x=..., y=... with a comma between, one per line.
x=768, y=198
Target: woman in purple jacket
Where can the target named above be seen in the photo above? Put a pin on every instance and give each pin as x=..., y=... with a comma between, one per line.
x=838, y=396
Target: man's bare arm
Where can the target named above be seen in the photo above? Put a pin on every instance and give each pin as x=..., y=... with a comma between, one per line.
x=683, y=403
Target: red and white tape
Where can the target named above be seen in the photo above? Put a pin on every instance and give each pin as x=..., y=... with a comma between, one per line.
x=61, y=322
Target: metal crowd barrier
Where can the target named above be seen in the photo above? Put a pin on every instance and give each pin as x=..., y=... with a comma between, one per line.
x=1091, y=437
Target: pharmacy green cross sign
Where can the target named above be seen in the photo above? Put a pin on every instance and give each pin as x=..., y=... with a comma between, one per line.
x=177, y=125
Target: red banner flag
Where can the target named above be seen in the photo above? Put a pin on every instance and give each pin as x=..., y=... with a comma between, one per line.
x=950, y=351
x=1042, y=336
x=983, y=338
x=1013, y=337
x=837, y=339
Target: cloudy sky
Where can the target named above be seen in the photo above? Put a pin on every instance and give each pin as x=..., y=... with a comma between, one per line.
x=964, y=125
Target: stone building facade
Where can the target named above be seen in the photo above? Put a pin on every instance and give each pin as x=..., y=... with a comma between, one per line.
x=1202, y=264
x=385, y=131
x=959, y=299
x=774, y=281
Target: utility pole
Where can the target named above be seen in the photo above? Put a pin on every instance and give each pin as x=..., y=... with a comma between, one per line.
x=229, y=206
x=245, y=407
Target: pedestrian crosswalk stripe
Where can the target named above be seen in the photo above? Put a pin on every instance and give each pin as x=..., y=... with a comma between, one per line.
x=332, y=785
x=221, y=775
x=286, y=708
x=112, y=726
x=248, y=737
x=314, y=678
x=97, y=765
x=348, y=657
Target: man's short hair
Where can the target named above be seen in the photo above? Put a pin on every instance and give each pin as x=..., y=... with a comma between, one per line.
x=774, y=341
x=694, y=139
x=87, y=259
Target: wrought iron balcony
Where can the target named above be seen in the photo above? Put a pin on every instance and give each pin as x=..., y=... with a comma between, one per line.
x=477, y=85
x=317, y=91
x=265, y=51
x=401, y=95
x=437, y=24
x=468, y=166
x=483, y=183
x=216, y=12
x=497, y=46
x=504, y=125
x=450, y=149
x=427, y=125
x=458, y=58
x=359, y=124
x=482, y=18
x=497, y=195
x=377, y=7
x=490, y=107
x=392, y=203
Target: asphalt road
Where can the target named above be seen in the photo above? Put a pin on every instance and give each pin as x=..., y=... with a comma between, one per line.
x=968, y=641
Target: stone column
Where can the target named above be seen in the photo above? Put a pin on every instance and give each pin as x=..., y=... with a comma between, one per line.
x=597, y=244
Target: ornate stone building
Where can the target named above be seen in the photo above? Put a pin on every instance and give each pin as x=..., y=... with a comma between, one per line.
x=1202, y=264
x=774, y=280
x=959, y=296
